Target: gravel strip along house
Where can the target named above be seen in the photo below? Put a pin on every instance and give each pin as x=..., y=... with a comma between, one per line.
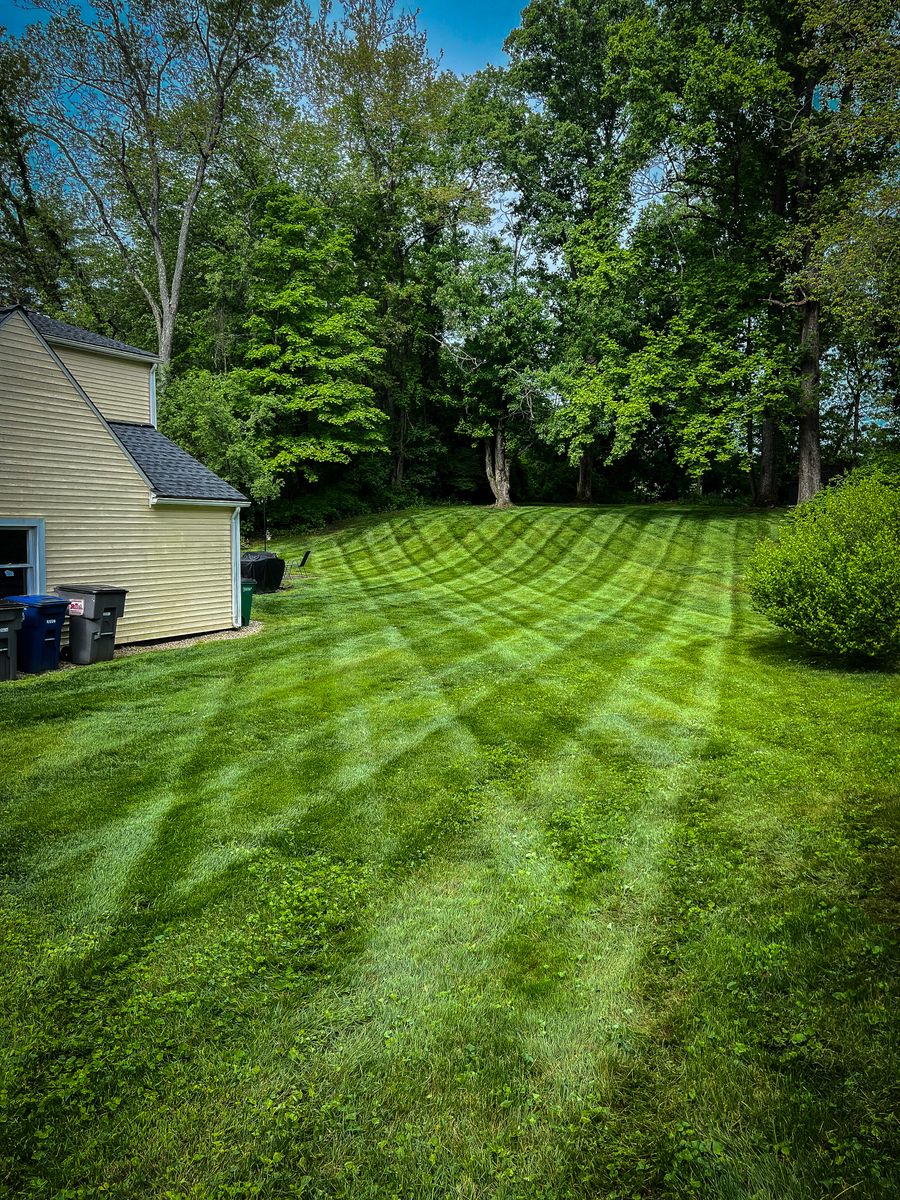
x=92, y=492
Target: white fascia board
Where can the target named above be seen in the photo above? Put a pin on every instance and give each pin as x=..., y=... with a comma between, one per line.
x=157, y=500
x=147, y=359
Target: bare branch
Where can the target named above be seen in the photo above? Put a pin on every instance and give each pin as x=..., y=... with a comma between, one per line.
x=131, y=110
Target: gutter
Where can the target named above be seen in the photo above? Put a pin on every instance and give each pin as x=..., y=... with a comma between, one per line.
x=156, y=500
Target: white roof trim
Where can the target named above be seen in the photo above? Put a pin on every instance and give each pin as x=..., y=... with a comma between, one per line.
x=147, y=358
x=155, y=499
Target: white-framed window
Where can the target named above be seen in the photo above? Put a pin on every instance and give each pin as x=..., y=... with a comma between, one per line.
x=21, y=556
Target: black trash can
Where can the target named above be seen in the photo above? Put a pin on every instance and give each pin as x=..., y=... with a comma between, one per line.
x=11, y=616
x=264, y=568
x=94, y=610
x=38, y=640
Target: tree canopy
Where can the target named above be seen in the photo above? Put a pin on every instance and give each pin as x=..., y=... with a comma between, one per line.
x=654, y=255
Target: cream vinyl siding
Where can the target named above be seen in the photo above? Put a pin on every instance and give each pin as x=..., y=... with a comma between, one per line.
x=120, y=387
x=60, y=462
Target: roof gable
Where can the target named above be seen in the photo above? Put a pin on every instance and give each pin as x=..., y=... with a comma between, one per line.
x=165, y=468
x=71, y=335
x=13, y=313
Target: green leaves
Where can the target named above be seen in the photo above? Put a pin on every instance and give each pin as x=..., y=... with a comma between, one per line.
x=299, y=396
x=499, y=335
x=310, y=347
x=833, y=575
x=205, y=413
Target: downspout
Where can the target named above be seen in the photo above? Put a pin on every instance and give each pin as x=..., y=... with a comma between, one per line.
x=236, y=568
x=153, y=395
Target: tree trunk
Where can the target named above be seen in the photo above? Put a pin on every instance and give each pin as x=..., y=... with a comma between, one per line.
x=767, y=492
x=166, y=341
x=585, y=485
x=857, y=400
x=810, y=475
x=497, y=468
x=400, y=452
x=751, y=474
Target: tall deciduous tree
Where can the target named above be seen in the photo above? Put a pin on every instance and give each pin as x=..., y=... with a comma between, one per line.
x=42, y=258
x=847, y=153
x=499, y=339
x=390, y=106
x=779, y=117
x=308, y=352
x=128, y=114
x=584, y=135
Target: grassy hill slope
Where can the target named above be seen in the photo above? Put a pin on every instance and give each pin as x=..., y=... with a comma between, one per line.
x=514, y=858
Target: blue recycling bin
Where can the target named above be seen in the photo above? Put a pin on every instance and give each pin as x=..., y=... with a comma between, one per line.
x=42, y=624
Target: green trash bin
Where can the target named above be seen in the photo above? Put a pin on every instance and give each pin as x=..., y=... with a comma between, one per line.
x=248, y=587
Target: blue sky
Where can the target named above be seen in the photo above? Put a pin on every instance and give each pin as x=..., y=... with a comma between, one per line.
x=471, y=33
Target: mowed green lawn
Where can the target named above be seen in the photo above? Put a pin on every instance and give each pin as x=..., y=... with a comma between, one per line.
x=516, y=857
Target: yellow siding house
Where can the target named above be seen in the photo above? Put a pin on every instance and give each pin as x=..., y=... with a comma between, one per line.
x=92, y=492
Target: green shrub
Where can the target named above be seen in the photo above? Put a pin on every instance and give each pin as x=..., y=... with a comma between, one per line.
x=832, y=576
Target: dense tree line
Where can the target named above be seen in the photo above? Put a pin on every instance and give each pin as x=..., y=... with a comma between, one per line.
x=654, y=256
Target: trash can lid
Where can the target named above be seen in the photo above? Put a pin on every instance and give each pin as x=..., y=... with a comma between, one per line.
x=40, y=600
x=92, y=589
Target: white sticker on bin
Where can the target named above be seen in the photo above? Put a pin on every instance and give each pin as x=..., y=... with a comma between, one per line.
x=76, y=608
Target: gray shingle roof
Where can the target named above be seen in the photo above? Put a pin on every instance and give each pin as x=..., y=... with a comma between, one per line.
x=54, y=330
x=173, y=473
